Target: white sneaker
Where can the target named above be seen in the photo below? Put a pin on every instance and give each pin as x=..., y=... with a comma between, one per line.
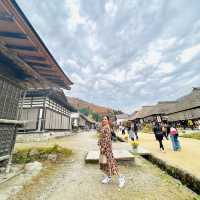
x=121, y=181
x=106, y=180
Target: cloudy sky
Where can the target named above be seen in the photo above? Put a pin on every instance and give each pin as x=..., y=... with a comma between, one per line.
x=122, y=53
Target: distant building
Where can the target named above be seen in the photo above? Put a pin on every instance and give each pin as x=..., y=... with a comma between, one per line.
x=75, y=117
x=85, y=122
x=120, y=119
x=186, y=108
x=46, y=110
x=183, y=109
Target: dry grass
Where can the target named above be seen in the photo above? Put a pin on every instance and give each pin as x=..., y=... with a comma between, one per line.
x=192, y=135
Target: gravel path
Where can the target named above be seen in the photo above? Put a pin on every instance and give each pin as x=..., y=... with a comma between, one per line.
x=75, y=180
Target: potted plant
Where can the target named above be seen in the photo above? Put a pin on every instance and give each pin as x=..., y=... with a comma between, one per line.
x=134, y=145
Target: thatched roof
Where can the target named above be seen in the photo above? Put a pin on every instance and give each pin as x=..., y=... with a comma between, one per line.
x=164, y=107
x=145, y=111
x=87, y=119
x=187, y=102
x=133, y=116
x=122, y=116
x=180, y=106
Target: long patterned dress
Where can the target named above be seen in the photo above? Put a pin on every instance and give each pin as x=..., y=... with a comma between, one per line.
x=110, y=168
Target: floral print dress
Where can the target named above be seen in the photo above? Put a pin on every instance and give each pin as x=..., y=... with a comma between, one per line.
x=110, y=168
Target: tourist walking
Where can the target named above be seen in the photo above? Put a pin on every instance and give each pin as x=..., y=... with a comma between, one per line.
x=159, y=135
x=106, y=159
x=134, y=131
x=164, y=130
x=174, y=138
x=123, y=130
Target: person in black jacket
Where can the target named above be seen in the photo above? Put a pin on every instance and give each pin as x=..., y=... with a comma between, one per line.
x=159, y=135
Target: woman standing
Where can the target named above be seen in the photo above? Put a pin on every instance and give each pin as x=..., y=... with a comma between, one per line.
x=107, y=162
x=159, y=135
x=174, y=138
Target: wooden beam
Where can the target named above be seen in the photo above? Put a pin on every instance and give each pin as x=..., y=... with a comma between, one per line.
x=27, y=58
x=6, y=17
x=17, y=35
x=20, y=47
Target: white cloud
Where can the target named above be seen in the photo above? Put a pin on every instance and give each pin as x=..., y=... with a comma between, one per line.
x=163, y=44
x=166, y=79
x=189, y=53
x=72, y=63
x=153, y=57
x=117, y=75
x=86, y=70
x=77, y=79
x=74, y=14
x=111, y=7
x=166, y=68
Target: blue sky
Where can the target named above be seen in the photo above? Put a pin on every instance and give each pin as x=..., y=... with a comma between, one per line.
x=122, y=53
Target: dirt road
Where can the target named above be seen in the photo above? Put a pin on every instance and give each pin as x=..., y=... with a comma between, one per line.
x=75, y=180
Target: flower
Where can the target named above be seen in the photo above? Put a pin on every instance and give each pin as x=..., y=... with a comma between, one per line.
x=134, y=144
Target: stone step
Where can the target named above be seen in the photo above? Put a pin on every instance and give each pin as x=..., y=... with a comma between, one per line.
x=119, y=155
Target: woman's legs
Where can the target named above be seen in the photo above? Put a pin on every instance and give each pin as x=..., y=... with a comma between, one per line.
x=173, y=142
x=177, y=143
x=136, y=135
x=161, y=144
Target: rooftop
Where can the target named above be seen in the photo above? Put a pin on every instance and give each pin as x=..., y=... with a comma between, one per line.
x=19, y=37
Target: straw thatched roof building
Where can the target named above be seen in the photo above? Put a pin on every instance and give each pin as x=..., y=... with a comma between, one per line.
x=187, y=107
x=121, y=118
x=184, y=108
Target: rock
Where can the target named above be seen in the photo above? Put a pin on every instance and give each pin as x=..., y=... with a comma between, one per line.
x=34, y=152
x=34, y=167
x=52, y=157
x=2, y=169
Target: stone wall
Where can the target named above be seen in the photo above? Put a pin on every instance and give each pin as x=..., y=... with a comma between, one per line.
x=39, y=137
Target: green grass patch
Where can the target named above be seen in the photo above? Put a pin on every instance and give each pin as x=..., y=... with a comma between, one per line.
x=27, y=155
x=191, y=135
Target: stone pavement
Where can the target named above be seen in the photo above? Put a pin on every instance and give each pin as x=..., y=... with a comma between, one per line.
x=187, y=159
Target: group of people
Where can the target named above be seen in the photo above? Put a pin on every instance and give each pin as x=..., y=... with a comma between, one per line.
x=106, y=159
x=132, y=130
x=166, y=130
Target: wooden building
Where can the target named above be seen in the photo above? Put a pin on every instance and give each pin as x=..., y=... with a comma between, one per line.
x=45, y=110
x=85, y=122
x=25, y=63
